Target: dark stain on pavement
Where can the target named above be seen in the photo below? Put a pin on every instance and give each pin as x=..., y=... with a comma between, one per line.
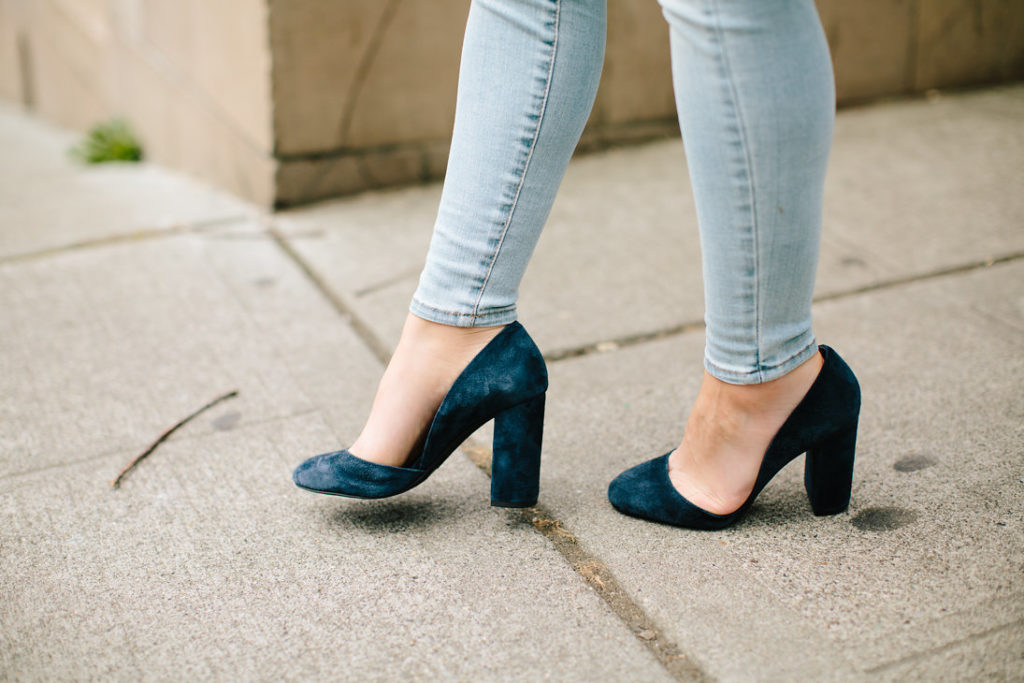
x=913, y=463
x=884, y=518
x=227, y=420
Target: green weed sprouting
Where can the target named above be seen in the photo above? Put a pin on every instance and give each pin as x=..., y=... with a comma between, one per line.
x=112, y=140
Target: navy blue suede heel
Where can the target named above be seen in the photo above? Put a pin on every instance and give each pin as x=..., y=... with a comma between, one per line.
x=506, y=381
x=824, y=425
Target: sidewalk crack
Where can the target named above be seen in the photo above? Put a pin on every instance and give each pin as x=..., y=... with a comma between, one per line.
x=917, y=656
x=625, y=341
x=600, y=578
x=362, y=329
x=143, y=234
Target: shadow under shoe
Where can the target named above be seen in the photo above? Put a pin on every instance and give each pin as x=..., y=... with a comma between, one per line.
x=506, y=382
x=824, y=425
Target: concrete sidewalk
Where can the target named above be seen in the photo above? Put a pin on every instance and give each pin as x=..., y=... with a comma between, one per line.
x=130, y=296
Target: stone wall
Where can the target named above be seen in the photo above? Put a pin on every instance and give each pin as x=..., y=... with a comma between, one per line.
x=191, y=76
x=288, y=101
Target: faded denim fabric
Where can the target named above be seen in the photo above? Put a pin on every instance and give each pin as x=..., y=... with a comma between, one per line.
x=756, y=104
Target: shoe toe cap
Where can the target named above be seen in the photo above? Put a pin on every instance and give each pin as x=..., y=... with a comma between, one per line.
x=645, y=491
x=313, y=473
x=342, y=474
x=628, y=491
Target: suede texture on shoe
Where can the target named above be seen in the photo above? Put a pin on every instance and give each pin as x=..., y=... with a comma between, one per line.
x=827, y=415
x=509, y=371
x=343, y=474
x=515, y=463
x=646, y=491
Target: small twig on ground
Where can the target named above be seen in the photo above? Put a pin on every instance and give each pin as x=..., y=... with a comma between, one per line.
x=163, y=437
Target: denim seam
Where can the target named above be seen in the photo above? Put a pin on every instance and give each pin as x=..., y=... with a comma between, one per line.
x=751, y=182
x=526, y=164
x=464, y=315
x=758, y=371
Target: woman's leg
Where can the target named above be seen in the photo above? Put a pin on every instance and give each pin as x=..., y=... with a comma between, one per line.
x=756, y=102
x=527, y=82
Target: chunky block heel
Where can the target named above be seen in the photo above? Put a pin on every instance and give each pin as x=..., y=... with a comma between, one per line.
x=515, y=463
x=828, y=472
x=506, y=381
x=824, y=425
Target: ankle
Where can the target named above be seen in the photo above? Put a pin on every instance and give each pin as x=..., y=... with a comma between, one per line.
x=757, y=401
x=442, y=342
x=728, y=432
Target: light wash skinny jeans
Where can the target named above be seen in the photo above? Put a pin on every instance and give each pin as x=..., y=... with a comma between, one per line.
x=756, y=104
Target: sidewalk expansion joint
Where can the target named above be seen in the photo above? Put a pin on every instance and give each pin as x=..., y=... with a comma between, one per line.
x=923, y=277
x=140, y=235
x=387, y=282
x=127, y=449
x=361, y=328
x=597, y=575
x=626, y=341
x=623, y=341
x=918, y=656
x=599, y=578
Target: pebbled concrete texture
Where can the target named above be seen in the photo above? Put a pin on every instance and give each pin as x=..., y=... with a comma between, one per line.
x=209, y=563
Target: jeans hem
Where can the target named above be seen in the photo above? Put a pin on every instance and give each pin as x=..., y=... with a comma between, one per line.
x=761, y=375
x=503, y=316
